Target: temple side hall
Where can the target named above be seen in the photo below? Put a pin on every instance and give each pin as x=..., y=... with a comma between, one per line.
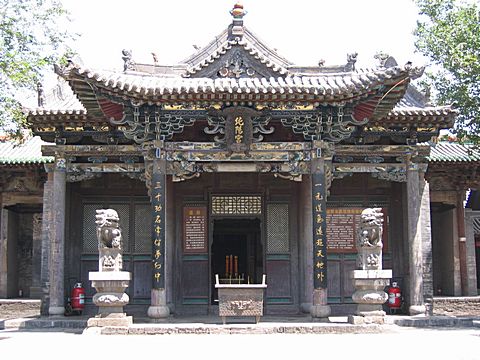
x=238, y=163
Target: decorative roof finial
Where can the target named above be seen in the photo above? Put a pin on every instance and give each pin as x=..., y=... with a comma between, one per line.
x=128, y=63
x=40, y=95
x=237, y=26
x=351, y=60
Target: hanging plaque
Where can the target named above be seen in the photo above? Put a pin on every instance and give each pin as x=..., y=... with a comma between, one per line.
x=341, y=229
x=195, y=229
x=342, y=226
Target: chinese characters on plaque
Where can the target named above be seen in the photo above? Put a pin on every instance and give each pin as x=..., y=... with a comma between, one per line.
x=195, y=229
x=342, y=225
x=158, y=226
x=319, y=232
x=239, y=129
x=342, y=228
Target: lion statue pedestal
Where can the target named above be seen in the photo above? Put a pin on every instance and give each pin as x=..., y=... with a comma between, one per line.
x=110, y=281
x=370, y=279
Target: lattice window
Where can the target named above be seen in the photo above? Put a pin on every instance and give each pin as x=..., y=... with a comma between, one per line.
x=278, y=239
x=236, y=205
x=90, y=242
x=143, y=230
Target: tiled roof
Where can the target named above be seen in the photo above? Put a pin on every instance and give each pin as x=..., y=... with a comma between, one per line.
x=28, y=152
x=382, y=95
x=345, y=85
x=59, y=100
x=453, y=152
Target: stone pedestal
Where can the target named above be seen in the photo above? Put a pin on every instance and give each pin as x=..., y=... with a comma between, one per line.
x=319, y=308
x=158, y=309
x=369, y=295
x=110, y=298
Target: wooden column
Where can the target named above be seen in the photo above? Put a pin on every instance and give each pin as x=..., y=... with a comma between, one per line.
x=47, y=228
x=3, y=251
x=57, y=242
x=320, y=308
x=158, y=307
x=36, y=286
x=462, y=243
x=427, y=252
x=416, y=300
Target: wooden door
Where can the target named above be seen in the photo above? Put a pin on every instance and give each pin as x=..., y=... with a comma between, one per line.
x=278, y=254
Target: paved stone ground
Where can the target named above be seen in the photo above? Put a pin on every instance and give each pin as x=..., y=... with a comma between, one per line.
x=461, y=306
x=443, y=306
x=23, y=308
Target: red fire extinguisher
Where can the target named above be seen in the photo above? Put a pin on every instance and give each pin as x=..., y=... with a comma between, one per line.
x=77, y=298
x=394, y=297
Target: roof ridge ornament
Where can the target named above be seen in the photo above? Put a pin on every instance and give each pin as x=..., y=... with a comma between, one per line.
x=128, y=63
x=351, y=60
x=414, y=72
x=385, y=60
x=236, y=29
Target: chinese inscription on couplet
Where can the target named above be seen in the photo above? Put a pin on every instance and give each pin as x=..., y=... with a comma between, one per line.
x=319, y=232
x=158, y=229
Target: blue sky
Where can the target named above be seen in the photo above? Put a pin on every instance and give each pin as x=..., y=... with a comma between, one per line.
x=303, y=31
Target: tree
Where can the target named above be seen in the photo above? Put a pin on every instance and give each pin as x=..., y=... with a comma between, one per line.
x=448, y=33
x=33, y=36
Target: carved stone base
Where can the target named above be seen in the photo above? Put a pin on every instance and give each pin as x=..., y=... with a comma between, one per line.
x=369, y=295
x=56, y=310
x=417, y=310
x=158, y=308
x=110, y=297
x=320, y=309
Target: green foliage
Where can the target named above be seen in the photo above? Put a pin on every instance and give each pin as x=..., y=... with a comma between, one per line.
x=33, y=36
x=448, y=33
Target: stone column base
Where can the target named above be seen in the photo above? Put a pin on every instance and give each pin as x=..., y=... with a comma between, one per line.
x=417, y=310
x=56, y=310
x=320, y=309
x=158, y=308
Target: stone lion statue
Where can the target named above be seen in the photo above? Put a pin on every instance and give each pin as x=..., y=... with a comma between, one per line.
x=370, y=232
x=109, y=233
x=369, y=239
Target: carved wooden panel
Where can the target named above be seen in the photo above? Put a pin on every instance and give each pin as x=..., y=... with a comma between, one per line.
x=195, y=280
x=279, y=289
x=278, y=232
x=143, y=279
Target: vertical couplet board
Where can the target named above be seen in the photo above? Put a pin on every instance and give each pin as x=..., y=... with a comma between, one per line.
x=158, y=224
x=319, y=229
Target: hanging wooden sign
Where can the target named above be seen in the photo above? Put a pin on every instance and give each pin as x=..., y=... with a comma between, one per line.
x=195, y=229
x=342, y=227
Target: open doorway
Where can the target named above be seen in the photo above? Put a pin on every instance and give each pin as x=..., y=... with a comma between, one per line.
x=237, y=252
